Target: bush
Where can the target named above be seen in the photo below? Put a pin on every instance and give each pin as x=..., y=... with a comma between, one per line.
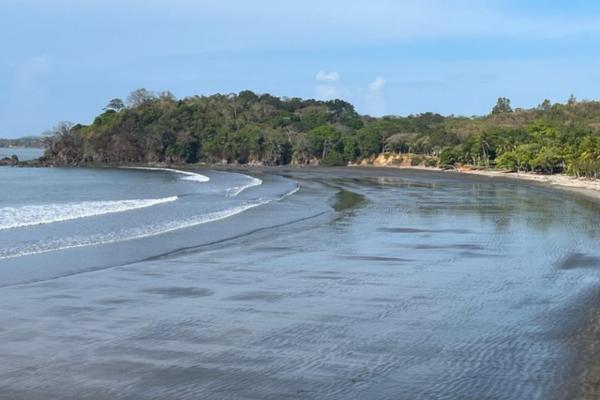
x=431, y=162
x=416, y=160
x=332, y=159
x=507, y=161
x=449, y=156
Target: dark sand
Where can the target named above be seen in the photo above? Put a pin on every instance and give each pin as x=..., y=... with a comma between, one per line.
x=385, y=284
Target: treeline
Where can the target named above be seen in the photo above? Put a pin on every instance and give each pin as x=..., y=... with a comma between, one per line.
x=251, y=128
x=559, y=138
x=30, y=141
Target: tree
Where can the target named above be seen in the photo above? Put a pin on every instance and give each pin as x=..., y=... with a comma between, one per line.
x=545, y=106
x=324, y=139
x=508, y=160
x=115, y=105
x=167, y=96
x=265, y=129
x=368, y=142
x=63, y=144
x=502, y=106
x=549, y=160
x=449, y=156
x=572, y=100
x=139, y=97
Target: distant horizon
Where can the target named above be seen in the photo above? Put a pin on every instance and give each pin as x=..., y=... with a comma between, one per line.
x=63, y=60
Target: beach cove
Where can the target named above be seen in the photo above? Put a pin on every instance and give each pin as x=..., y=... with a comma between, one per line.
x=362, y=283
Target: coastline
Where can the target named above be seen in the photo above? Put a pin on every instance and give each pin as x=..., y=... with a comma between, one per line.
x=167, y=282
x=589, y=188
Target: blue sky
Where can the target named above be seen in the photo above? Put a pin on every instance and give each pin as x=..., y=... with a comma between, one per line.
x=64, y=59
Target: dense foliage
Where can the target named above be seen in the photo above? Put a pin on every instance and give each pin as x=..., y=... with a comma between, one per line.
x=251, y=128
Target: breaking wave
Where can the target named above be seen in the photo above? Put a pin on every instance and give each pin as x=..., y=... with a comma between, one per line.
x=189, y=176
x=125, y=234
x=18, y=217
x=234, y=191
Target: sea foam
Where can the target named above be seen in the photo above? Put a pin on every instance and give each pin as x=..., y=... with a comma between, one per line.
x=190, y=176
x=125, y=234
x=18, y=217
x=234, y=191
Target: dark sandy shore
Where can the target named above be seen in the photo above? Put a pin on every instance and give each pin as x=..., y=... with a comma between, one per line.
x=386, y=284
x=582, y=379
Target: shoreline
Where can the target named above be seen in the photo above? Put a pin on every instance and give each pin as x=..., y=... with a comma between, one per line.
x=586, y=187
x=585, y=346
x=589, y=188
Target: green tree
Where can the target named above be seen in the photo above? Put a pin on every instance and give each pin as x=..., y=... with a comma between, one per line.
x=502, y=106
x=115, y=105
x=323, y=140
x=139, y=97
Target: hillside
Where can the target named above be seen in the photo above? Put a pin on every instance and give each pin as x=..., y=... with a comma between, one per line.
x=263, y=129
x=29, y=141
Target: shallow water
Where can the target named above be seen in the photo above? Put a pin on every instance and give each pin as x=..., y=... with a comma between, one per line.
x=24, y=154
x=371, y=284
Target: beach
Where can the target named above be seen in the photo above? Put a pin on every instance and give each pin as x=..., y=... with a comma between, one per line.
x=350, y=283
x=584, y=186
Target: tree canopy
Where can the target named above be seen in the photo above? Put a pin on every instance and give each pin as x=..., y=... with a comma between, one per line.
x=261, y=128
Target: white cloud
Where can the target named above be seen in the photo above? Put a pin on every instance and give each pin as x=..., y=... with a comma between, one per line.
x=329, y=89
x=328, y=76
x=377, y=85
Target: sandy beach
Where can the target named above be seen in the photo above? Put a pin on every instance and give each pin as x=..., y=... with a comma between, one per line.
x=584, y=186
x=361, y=283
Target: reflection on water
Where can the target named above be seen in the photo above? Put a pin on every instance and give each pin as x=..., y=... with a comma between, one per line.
x=420, y=286
x=345, y=200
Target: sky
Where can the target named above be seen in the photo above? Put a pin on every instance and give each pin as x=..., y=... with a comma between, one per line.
x=63, y=60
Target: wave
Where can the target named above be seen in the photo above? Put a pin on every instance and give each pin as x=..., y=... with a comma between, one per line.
x=190, y=176
x=234, y=191
x=290, y=193
x=18, y=217
x=127, y=234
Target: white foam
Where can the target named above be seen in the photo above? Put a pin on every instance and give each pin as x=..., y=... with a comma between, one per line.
x=191, y=176
x=18, y=217
x=127, y=234
x=290, y=193
x=234, y=191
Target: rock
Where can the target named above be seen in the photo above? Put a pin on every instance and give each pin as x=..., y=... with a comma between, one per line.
x=9, y=161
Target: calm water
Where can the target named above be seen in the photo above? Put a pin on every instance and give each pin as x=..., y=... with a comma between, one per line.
x=378, y=284
x=24, y=154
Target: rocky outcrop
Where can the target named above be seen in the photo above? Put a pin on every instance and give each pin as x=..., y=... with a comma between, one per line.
x=9, y=161
x=400, y=160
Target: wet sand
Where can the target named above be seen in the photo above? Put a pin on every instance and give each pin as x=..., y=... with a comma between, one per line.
x=584, y=382
x=584, y=186
x=413, y=285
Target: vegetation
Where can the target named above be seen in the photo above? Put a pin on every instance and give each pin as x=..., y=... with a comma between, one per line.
x=30, y=141
x=251, y=128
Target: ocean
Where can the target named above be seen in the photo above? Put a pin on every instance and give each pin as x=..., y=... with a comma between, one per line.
x=24, y=154
x=340, y=283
